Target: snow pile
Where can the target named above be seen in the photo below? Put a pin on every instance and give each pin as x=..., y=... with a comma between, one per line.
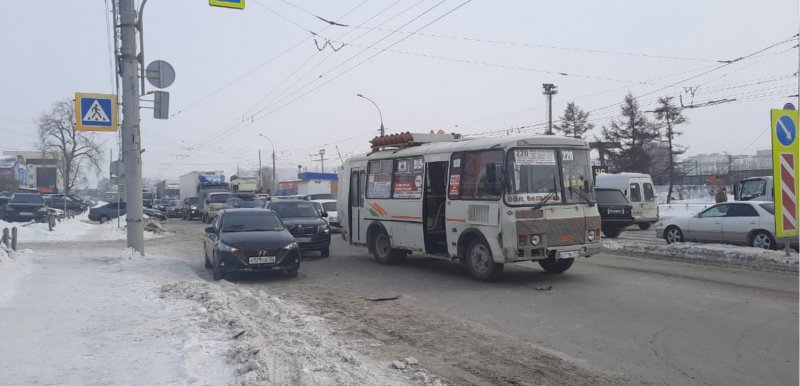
x=79, y=228
x=275, y=342
x=11, y=269
x=716, y=253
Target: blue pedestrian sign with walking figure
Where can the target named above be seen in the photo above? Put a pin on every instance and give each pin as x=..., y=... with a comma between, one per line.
x=95, y=112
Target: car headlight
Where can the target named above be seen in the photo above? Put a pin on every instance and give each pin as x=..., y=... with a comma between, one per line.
x=42, y=209
x=536, y=240
x=194, y=207
x=291, y=246
x=326, y=229
x=226, y=248
x=591, y=235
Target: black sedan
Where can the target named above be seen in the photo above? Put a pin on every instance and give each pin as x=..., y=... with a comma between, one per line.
x=615, y=211
x=25, y=207
x=242, y=240
x=306, y=223
x=174, y=208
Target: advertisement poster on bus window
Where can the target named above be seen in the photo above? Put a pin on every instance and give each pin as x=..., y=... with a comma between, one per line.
x=408, y=186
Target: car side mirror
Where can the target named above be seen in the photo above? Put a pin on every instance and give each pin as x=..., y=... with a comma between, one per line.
x=208, y=201
x=324, y=214
x=211, y=230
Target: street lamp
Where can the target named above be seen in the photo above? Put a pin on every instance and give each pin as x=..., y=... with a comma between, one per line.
x=272, y=188
x=383, y=131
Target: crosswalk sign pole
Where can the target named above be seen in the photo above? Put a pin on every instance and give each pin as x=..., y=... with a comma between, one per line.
x=131, y=140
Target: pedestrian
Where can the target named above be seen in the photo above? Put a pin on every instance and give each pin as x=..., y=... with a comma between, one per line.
x=722, y=196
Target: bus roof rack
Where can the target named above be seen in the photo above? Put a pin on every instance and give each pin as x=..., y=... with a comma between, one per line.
x=403, y=140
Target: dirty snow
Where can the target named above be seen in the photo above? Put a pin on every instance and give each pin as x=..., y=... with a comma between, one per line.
x=79, y=228
x=716, y=253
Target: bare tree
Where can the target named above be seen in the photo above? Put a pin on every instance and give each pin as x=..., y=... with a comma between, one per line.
x=668, y=115
x=77, y=152
x=575, y=122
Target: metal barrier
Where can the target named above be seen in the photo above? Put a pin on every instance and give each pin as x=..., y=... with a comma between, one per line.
x=9, y=239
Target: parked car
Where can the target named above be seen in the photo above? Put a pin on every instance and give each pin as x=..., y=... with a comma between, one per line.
x=638, y=188
x=213, y=203
x=329, y=206
x=160, y=204
x=150, y=212
x=306, y=223
x=174, y=208
x=25, y=207
x=192, y=207
x=745, y=223
x=243, y=200
x=321, y=196
x=3, y=202
x=68, y=204
x=615, y=211
x=249, y=240
x=107, y=212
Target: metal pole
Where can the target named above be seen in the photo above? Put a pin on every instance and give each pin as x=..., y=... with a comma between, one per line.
x=131, y=146
x=260, y=172
x=549, y=89
x=322, y=161
x=383, y=131
x=14, y=239
x=272, y=191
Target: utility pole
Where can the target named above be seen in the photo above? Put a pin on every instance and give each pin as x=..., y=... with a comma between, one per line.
x=273, y=187
x=548, y=90
x=131, y=145
x=322, y=161
x=260, y=172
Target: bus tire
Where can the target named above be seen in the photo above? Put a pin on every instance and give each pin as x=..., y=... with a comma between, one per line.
x=480, y=263
x=551, y=265
x=382, y=249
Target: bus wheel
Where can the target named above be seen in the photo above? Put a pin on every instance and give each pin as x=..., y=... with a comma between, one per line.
x=551, y=265
x=383, y=251
x=480, y=263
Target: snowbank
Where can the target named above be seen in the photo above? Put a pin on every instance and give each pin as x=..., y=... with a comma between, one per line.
x=79, y=228
x=11, y=269
x=277, y=342
x=715, y=253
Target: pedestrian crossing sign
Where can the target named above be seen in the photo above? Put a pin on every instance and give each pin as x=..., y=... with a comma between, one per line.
x=95, y=112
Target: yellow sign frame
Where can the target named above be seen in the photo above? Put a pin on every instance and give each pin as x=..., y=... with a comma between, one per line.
x=778, y=151
x=227, y=3
x=79, y=126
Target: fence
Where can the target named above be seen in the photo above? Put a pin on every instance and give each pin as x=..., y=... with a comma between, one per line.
x=9, y=239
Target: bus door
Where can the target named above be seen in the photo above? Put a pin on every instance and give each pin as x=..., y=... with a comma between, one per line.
x=358, y=182
x=433, y=208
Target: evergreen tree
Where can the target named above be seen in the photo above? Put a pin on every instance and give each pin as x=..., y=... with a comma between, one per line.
x=668, y=115
x=574, y=122
x=635, y=134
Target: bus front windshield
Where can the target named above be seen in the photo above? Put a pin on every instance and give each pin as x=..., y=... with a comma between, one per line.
x=536, y=178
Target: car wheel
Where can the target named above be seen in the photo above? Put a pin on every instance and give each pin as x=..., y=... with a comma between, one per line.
x=644, y=226
x=382, y=249
x=480, y=263
x=551, y=265
x=216, y=272
x=673, y=235
x=325, y=252
x=104, y=219
x=763, y=240
x=611, y=232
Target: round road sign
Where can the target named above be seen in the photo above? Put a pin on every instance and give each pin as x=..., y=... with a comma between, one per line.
x=160, y=74
x=786, y=131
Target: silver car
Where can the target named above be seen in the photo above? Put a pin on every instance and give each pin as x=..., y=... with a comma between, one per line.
x=749, y=223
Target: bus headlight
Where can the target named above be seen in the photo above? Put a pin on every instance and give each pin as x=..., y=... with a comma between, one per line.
x=536, y=240
x=591, y=235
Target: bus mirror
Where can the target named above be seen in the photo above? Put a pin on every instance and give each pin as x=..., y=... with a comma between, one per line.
x=494, y=178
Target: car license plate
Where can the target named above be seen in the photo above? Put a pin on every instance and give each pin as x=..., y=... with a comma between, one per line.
x=569, y=254
x=303, y=239
x=26, y=213
x=615, y=211
x=262, y=260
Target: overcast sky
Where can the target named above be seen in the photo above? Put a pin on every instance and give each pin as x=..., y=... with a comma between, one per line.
x=478, y=69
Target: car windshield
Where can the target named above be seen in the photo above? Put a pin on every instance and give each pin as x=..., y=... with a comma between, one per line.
x=610, y=197
x=329, y=206
x=294, y=209
x=218, y=198
x=26, y=199
x=250, y=202
x=251, y=222
x=322, y=196
x=194, y=200
x=174, y=203
x=753, y=188
x=769, y=207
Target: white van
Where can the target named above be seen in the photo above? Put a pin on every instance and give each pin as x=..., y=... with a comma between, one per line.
x=638, y=187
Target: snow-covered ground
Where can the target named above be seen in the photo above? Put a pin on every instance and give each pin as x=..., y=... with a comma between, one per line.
x=79, y=228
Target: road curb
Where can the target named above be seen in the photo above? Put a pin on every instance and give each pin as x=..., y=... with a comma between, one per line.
x=708, y=253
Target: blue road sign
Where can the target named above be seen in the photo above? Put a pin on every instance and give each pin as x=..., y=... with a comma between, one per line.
x=95, y=112
x=786, y=131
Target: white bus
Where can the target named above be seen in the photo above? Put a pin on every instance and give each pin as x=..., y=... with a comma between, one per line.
x=482, y=201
